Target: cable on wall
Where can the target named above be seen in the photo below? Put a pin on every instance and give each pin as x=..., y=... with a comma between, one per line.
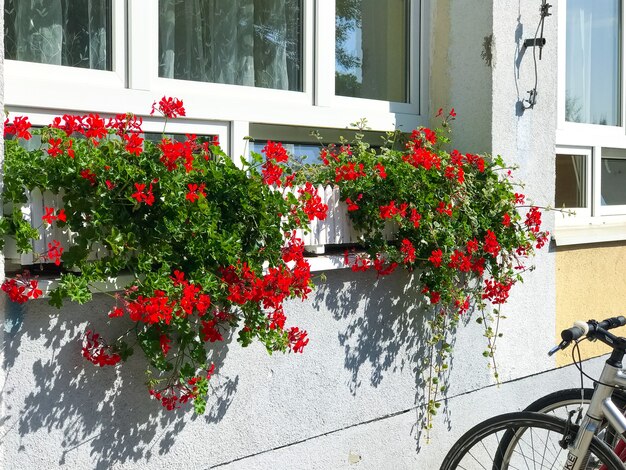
x=538, y=41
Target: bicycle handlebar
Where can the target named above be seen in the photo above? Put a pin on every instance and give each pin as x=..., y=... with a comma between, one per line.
x=581, y=329
x=591, y=328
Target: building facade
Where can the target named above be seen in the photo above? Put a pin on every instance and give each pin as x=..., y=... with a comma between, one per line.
x=275, y=70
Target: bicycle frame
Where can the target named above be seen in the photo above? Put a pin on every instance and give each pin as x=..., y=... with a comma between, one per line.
x=601, y=407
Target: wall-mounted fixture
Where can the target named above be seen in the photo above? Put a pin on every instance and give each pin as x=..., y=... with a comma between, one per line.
x=538, y=41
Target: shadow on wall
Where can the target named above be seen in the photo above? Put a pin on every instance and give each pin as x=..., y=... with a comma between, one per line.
x=389, y=336
x=382, y=330
x=72, y=396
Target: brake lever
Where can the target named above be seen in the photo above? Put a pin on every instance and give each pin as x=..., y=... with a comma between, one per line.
x=558, y=347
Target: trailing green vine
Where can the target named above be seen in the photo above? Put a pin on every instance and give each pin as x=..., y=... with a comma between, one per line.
x=457, y=218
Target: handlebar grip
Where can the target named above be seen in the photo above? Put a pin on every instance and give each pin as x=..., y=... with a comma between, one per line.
x=581, y=328
x=614, y=322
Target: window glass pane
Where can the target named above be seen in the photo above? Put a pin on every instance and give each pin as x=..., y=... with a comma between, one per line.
x=371, y=53
x=305, y=154
x=245, y=42
x=76, y=33
x=593, y=74
x=613, y=177
x=570, y=181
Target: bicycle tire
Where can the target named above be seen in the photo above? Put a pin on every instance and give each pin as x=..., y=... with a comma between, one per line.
x=572, y=396
x=560, y=403
x=472, y=450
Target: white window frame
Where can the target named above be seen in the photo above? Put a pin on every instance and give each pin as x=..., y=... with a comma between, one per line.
x=315, y=106
x=564, y=218
x=598, y=223
x=326, y=65
x=31, y=84
x=134, y=84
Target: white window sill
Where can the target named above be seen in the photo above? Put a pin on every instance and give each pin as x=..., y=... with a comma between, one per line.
x=589, y=233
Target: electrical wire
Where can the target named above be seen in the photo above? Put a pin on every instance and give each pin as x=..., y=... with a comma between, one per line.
x=532, y=98
x=579, y=365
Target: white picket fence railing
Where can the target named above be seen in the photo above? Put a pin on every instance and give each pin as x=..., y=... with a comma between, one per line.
x=336, y=229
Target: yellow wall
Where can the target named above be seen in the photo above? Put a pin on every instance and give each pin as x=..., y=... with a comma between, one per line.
x=590, y=284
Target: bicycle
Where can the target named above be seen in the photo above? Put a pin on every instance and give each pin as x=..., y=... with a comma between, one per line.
x=534, y=440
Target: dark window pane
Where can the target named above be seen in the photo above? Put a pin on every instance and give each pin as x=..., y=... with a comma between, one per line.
x=371, y=53
x=613, y=177
x=76, y=33
x=246, y=42
x=570, y=181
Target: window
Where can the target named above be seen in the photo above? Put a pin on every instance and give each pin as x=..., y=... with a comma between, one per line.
x=593, y=75
x=309, y=63
x=252, y=42
x=591, y=129
x=69, y=33
x=613, y=177
x=571, y=171
x=371, y=49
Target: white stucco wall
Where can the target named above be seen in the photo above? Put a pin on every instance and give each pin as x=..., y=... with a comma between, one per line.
x=352, y=399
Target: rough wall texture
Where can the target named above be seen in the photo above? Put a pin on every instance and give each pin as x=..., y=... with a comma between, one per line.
x=590, y=283
x=352, y=400
x=525, y=137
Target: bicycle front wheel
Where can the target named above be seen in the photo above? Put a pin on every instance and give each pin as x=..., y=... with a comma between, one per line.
x=537, y=446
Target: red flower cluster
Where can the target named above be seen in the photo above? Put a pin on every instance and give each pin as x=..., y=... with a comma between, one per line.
x=388, y=211
x=97, y=351
x=408, y=250
x=173, y=396
x=491, y=244
x=497, y=292
x=421, y=157
x=57, y=147
x=169, y=107
x=271, y=173
x=173, y=151
x=533, y=220
x=312, y=204
x=352, y=205
x=349, y=172
x=89, y=176
x=381, y=170
x=460, y=261
x=297, y=339
x=444, y=208
x=22, y=288
x=55, y=250
x=151, y=310
x=19, y=127
x=195, y=191
x=382, y=267
x=275, y=151
x=50, y=216
x=452, y=172
x=143, y=196
x=271, y=289
x=433, y=296
x=436, y=257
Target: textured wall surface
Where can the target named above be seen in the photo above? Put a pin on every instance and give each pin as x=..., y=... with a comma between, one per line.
x=352, y=400
x=590, y=283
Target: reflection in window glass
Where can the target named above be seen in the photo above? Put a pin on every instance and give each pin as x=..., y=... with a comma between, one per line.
x=371, y=49
x=593, y=75
x=570, y=181
x=613, y=177
x=76, y=33
x=246, y=42
x=305, y=154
